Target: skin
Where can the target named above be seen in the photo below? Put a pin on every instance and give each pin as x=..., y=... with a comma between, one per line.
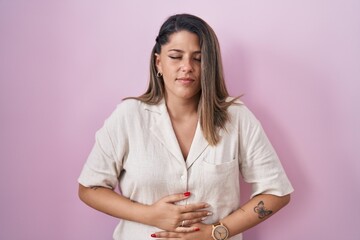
x=163, y=214
x=182, y=101
x=237, y=222
x=180, y=64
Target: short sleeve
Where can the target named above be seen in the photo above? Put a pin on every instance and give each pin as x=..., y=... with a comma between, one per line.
x=104, y=163
x=259, y=163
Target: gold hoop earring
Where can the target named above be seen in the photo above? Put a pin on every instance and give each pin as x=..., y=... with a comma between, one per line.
x=159, y=74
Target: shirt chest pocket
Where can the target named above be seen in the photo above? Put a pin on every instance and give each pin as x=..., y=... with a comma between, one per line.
x=219, y=165
x=219, y=168
x=216, y=178
x=219, y=161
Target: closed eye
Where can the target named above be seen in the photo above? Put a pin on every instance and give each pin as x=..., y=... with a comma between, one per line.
x=173, y=57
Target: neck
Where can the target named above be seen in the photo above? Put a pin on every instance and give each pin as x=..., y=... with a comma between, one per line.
x=182, y=108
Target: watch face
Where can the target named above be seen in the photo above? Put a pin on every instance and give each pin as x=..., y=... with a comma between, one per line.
x=220, y=232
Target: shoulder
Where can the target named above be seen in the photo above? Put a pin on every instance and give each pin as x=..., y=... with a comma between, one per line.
x=129, y=107
x=239, y=108
x=244, y=121
x=124, y=111
x=136, y=109
x=128, y=104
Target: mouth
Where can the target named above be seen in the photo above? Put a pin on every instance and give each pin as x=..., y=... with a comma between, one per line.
x=185, y=80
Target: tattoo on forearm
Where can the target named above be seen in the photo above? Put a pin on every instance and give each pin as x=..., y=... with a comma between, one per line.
x=261, y=210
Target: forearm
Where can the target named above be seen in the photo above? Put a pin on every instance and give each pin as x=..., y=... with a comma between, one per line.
x=163, y=214
x=112, y=203
x=254, y=212
x=250, y=214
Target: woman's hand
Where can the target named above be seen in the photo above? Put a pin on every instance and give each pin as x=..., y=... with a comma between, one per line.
x=163, y=214
x=203, y=233
x=166, y=215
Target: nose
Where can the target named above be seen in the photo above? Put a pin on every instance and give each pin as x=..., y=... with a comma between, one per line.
x=186, y=65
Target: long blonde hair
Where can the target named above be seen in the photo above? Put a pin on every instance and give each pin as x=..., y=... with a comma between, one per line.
x=213, y=105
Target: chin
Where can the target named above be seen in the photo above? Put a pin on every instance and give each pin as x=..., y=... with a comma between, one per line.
x=191, y=97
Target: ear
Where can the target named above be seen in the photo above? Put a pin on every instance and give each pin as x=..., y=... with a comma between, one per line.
x=158, y=62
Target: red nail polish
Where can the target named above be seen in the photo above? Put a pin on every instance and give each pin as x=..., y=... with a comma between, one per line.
x=153, y=235
x=186, y=194
x=197, y=229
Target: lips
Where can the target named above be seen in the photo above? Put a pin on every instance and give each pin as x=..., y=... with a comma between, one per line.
x=185, y=80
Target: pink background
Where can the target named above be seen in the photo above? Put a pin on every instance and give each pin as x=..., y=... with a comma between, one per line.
x=64, y=65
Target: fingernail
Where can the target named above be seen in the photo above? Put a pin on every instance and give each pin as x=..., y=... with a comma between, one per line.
x=197, y=229
x=209, y=213
x=204, y=218
x=153, y=235
x=186, y=194
x=206, y=205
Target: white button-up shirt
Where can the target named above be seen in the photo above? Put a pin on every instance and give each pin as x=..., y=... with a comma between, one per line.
x=137, y=149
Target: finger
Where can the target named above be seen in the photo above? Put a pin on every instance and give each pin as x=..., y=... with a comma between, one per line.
x=195, y=215
x=187, y=223
x=176, y=197
x=193, y=207
x=177, y=234
x=166, y=235
x=186, y=229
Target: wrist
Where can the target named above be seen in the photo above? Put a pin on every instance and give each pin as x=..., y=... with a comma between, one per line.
x=147, y=215
x=207, y=230
x=219, y=231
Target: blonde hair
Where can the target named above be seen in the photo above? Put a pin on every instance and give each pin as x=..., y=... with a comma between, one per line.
x=213, y=105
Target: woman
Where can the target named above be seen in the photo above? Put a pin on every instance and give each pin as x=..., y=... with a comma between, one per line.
x=178, y=150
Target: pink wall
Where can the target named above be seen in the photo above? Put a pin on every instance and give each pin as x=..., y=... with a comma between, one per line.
x=64, y=65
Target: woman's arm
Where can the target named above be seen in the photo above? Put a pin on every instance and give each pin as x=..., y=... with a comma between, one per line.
x=254, y=212
x=163, y=214
x=250, y=214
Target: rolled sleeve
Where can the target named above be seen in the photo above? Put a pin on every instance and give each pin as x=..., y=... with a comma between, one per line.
x=104, y=163
x=259, y=163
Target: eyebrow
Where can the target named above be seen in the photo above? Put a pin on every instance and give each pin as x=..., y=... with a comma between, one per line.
x=181, y=51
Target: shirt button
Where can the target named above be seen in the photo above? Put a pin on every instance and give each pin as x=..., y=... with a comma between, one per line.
x=183, y=177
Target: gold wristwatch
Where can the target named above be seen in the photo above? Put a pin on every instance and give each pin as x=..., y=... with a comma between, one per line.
x=219, y=231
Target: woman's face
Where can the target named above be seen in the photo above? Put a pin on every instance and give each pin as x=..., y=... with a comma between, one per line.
x=180, y=64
